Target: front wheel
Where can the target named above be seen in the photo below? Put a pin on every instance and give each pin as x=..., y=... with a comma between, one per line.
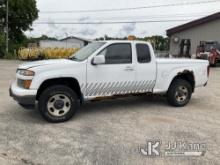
x=179, y=93
x=58, y=103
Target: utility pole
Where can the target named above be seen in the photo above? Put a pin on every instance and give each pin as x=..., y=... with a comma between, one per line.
x=66, y=39
x=6, y=26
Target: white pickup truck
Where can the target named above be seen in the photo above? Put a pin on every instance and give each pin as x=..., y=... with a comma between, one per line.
x=105, y=69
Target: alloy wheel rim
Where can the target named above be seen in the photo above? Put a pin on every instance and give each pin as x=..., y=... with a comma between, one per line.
x=58, y=105
x=181, y=94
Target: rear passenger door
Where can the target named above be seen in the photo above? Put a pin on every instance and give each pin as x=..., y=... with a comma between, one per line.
x=146, y=67
x=116, y=76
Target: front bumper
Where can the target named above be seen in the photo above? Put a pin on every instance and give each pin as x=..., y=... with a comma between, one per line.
x=23, y=96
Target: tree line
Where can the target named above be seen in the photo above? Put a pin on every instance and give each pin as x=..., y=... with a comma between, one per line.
x=158, y=42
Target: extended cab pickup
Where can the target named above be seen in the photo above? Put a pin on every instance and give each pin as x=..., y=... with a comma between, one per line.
x=105, y=69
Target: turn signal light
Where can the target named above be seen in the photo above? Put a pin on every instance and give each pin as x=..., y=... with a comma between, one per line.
x=27, y=84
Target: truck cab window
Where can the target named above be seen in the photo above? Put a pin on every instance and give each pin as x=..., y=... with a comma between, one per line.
x=143, y=53
x=118, y=54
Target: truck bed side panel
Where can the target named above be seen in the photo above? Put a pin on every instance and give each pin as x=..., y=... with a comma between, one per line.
x=168, y=69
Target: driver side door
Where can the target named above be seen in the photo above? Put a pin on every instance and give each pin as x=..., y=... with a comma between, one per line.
x=114, y=77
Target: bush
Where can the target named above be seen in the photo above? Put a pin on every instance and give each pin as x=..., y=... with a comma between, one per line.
x=46, y=53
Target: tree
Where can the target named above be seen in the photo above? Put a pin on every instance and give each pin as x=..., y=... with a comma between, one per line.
x=2, y=45
x=22, y=13
x=31, y=40
x=158, y=42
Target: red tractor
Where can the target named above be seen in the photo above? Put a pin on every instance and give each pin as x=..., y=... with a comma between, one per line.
x=209, y=50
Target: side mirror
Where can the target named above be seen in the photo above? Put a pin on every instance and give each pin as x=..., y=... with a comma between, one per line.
x=97, y=60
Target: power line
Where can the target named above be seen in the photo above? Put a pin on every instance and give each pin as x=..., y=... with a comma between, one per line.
x=133, y=8
x=113, y=22
x=176, y=16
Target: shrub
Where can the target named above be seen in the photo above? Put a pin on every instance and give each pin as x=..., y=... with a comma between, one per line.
x=45, y=53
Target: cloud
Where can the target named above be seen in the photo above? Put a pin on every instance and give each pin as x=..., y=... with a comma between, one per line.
x=119, y=30
x=51, y=24
x=143, y=33
x=84, y=19
x=127, y=29
x=87, y=31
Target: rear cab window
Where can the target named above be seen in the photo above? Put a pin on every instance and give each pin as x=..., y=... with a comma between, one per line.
x=143, y=53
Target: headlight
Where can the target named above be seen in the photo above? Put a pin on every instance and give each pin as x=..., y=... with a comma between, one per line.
x=24, y=83
x=25, y=72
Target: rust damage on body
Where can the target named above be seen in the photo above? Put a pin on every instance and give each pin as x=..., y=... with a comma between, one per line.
x=185, y=72
x=188, y=76
x=120, y=96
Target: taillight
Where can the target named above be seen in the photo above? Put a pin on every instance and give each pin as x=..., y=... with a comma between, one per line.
x=208, y=70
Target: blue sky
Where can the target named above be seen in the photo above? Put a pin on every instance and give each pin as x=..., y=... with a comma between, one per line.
x=185, y=12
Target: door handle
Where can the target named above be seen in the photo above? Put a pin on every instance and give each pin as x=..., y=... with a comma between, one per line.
x=129, y=68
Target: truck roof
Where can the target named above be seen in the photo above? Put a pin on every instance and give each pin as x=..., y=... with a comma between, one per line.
x=124, y=41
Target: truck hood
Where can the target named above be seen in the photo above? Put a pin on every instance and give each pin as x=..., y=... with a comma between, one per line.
x=29, y=65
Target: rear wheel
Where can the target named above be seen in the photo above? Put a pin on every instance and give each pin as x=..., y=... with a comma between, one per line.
x=58, y=103
x=179, y=93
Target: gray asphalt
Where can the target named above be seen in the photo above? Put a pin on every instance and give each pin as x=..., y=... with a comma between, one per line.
x=109, y=132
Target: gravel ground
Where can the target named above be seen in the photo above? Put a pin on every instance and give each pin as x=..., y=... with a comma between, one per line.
x=109, y=132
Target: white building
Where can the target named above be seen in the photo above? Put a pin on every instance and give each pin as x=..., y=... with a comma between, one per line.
x=69, y=42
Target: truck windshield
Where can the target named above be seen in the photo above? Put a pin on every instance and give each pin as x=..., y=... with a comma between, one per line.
x=86, y=51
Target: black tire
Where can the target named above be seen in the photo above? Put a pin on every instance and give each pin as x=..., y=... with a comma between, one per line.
x=178, y=90
x=53, y=91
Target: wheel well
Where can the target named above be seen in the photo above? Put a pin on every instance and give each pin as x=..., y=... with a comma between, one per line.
x=188, y=76
x=70, y=82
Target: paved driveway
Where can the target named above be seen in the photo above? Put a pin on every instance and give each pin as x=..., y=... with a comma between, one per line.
x=109, y=132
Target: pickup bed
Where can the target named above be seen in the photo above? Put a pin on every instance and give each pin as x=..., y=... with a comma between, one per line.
x=105, y=69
